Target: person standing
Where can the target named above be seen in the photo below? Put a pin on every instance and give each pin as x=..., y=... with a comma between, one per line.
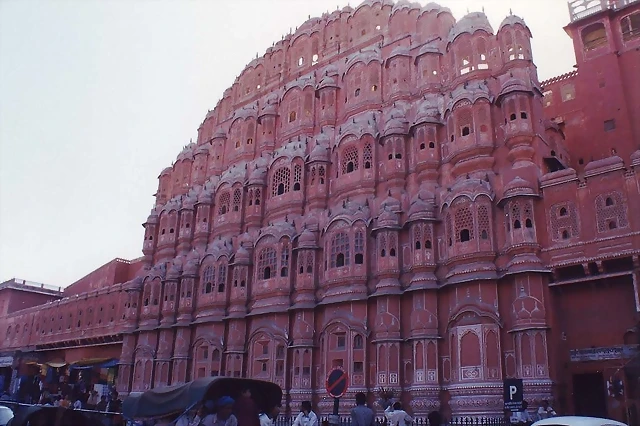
x=396, y=416
x=246, y=409
x=361, y=415
x=523, y=417
x=545, y=411
x=306, y=417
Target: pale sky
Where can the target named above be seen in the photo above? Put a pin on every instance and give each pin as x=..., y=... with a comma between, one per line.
x=98, y=96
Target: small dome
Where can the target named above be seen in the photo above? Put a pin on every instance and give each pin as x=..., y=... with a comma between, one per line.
x=395, y=126
x=388, y=218
x=512, y=20
x=134, y=284
x=175, y=270
x=245, y=240
x=403, y=4
x=219, y=133
x=153, y=217
x=166, y=171
x=427, y=113
x=327, y=82
x=307, y=239
x=528, y=308
x=258, y=176
x=605, y=163
x=514, y=85
x=470, y=24
x=391, y=204
x=320, y=152
x=519, y=186
x=635, y=159
x=202, y=149
x=187, y=152
x=434, y=7
x=205, y=197
x=242, y=255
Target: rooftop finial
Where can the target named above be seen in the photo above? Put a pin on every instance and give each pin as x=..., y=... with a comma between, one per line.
x=510, y=12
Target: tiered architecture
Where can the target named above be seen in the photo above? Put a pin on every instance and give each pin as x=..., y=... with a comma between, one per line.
x=382, y=191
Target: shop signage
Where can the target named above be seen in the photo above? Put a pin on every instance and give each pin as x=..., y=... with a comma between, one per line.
x=6, y=361
x=603, y=354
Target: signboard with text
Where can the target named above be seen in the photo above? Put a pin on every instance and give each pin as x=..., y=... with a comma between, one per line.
x=513, y=395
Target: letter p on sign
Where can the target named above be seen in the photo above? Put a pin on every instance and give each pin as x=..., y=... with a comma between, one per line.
x=513, y=395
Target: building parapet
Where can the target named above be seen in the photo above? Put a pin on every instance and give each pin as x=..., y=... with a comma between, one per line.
x=580, y=9
x=21, y=284
x=565, y=76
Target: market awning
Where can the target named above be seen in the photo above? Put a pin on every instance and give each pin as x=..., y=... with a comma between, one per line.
x=56, y=364
x=93, y=362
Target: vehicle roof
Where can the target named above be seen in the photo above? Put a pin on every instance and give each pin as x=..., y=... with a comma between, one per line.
x=577, y=421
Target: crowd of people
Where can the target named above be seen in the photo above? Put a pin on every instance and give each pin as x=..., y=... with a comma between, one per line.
x=525, y=417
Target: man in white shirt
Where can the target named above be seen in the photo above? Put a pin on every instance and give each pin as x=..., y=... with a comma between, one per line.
x=306, y=417
x=269, y=418
x=396, y=416
x=545, y=411
x=522, y=417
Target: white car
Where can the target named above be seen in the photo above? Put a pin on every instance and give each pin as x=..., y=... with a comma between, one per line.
x=577, y=421
x=6, y=414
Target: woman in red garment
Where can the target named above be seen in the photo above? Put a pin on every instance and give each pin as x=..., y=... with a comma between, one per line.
x=246, y=410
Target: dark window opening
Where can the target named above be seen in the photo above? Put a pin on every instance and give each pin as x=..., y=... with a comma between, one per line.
x=296, y=186
x=242, y=283
x=150, y=237
x=350, y=167
x=398, y=155
x=432, y=145
x=208, y=288
x=223, y=210
x=171, y=231
x=581, y=161
x=465, y=235
x=309, y=269
x=427, y=244
x=512, y=117
x=367, y=165
x=340, y=260
x=516, y=224
x=357, y=92
x=220, y=288
x=422, y=146
x=146, y=302
x=257, y=203
x=565, y=235
x=523, y=115
x=528, y=223
x=450, y=242
x=235, y=209
x=613, y=224
x=383, y=253
x=266, y=274
x=392, y=252
x=301, y=270
x=359, y=259
x=563, y=211
x=284, y=271
x=608, y=201
x=465, y=131
x=390, y=156
x=452, y=137
x=281, y=189
x=484, y=235
x=417, y=245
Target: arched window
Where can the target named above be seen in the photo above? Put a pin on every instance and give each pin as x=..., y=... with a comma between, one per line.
x=594, y=36
x=281, y=181
x=237, y=196
x=284, y=261
x=297, y=177
x=222, y=277
x=267, y=263
x=349, y=160
x=208, y=278
x=340, y=250
x=464, y=224
x=223, y=203
x=367, y=156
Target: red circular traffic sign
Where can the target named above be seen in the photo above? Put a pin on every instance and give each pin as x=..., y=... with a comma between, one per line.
x=337, y=382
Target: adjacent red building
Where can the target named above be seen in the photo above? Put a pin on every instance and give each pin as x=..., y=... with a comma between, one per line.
x=395, y=193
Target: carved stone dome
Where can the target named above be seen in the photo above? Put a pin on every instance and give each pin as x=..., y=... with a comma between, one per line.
x=307, y=239
x=519, y=187
x=512, y=20
x=242, y=255
x=469, y=24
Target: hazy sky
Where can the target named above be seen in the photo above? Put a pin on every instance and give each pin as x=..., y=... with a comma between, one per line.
x=98, y=96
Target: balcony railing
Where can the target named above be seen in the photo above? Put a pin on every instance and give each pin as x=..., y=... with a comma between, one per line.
x=580, y=9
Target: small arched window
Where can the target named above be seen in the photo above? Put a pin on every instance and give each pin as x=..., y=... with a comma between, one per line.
x=465, y=235
x=594, y=36
x=608, y=201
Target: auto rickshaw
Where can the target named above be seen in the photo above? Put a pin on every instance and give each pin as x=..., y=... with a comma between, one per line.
x=179, y=399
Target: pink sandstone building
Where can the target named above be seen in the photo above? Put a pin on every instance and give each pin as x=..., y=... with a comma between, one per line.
x=391, y=191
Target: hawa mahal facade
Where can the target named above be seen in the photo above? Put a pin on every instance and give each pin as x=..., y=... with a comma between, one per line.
x=390, y=191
